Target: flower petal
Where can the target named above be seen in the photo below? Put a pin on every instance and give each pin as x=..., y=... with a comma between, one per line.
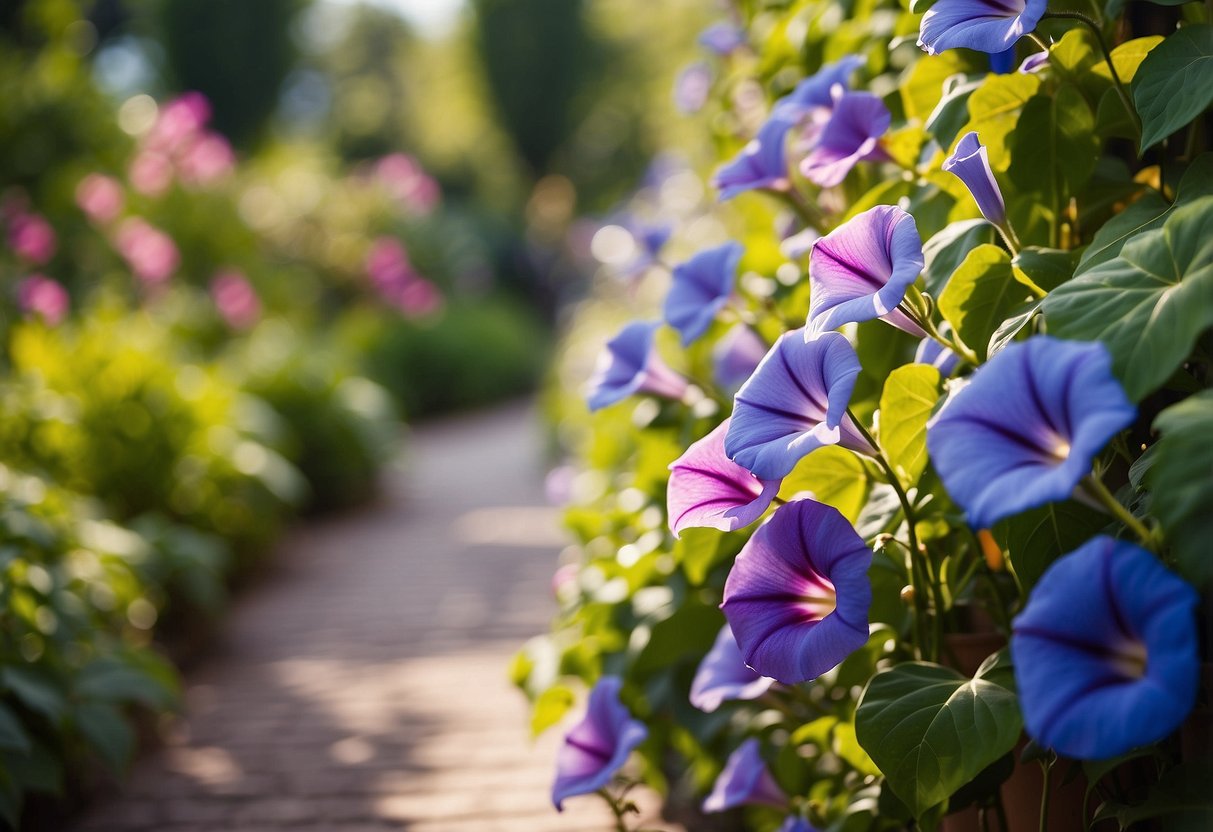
x=707, y=489
x=723, y=676
x=598, y=746
x=761, y=163
x=701, y=287
x=985, y=25
x=744, y=780
x=851, y=135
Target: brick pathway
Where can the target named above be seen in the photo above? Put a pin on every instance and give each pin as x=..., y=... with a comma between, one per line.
x=362, y=687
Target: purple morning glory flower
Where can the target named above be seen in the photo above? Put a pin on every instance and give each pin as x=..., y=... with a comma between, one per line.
x=707, y=489
x=1026, y=428
x=692, y=87
x=721, y=38
x=797, y=597
x=598, y=746
x=723, y=676
x=861, y=270
x=795, y=402
x=970, y=163
x=850, y=136
x=760, y=164
x=736, y=355
x=814, y=92
x=985, y=25
x=1002, y=62
x=937, y=355
x=1105, y=652
x=745, y=780
x=1034, y=62
x=702, y=287
x=628, y=365
x=795, y=823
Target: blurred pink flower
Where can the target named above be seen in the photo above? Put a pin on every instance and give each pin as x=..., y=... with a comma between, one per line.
x=236, y=299
x=418, y=298
x=179, y=120
x=151, y=254
x=408, y=183
x=31, y=237
x=151, y=172
x=39, y=296
x=205, y=159
x=387, y=264
x=100, y=197
x=564, y=576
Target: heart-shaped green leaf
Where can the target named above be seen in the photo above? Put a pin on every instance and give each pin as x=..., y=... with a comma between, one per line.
x=1181, y=482
x=1174, y=83
x=906, y=403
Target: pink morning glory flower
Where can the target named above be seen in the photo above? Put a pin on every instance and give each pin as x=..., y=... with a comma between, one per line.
x=707, y=489
x=797, y=597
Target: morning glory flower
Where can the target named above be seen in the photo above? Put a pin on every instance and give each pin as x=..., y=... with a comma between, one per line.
x=797, y=597
x=970, y=162
x=861, y=270
x=745, y=780
x=723, y=676
x=795, y=823
x=795, y=402
x=735, y=357
x=692, y=87
x=1105, y=653
x=937, y=355
x=629, y=364
x=760, y=164
x=1002, y=62
x=851, y=135
x=707, y=489
x=814, y=92
x=1025, y=430
x=1034, y=62
x=598, y=746
x=702, y=287
x=721, y=38
x=985, y=25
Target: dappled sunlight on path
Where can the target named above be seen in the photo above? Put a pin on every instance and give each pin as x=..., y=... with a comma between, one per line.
x=363, y=685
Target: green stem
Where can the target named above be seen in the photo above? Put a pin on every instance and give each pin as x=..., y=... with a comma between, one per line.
x=954, y=344
x=1107, y=56
x=1039, y=41
x=809, y=214
x=1046, y=767
x=1095, y=487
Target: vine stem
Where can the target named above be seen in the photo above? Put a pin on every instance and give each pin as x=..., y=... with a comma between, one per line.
x=1046, y=767
x=1094, y=486
x=1107, y=56
x=619, y=810
x=915, y=569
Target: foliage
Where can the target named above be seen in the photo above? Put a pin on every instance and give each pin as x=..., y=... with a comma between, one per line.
x=1103, y=256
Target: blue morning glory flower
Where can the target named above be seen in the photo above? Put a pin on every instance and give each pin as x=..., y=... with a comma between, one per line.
x=985, y=25
x=797, y=597
x=937, y=355
x=721, y=38
x=745, y=780
x=701, y=287
x=851, y=135
x=598, y=746
x=628, y=365
x=795, y=823
x=970, y=163
x=861, y=270
x=1002, y=62
x=1034, y=62
x=795, y=402
x=761, y=163
x=724, y=677
x=814, y=92
x=1105, y=653
x=735, y=357
x=1026, y=428
x=709, y=490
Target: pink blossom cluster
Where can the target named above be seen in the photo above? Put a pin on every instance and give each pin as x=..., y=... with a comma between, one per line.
x=151, y=254
x=179, y=146
x=397, y=282
x=235, y=298
x=401, y=175
x=40, y=296
x=30, y=236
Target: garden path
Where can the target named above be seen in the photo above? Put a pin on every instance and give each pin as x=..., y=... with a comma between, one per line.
x=362, y=687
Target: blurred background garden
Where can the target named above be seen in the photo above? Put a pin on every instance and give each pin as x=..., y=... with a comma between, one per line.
x=244, y=244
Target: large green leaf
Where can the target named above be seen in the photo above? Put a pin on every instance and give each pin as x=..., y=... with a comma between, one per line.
x=944, y=252
x=12, y=735
x=108, y=732
x=906, y=403
x=1044, y=269
x=931, y=730
x=550, y=708
x=1181, y=482
x=1054, y=147
x=1174, y=84
x=835, y=476
x=1037, y=537
x=994, y=112
x=1150, y=211
x=979, y=296
x=1150, y=304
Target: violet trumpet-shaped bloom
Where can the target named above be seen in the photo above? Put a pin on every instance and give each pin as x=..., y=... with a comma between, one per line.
x=761, y=164
x=629, y=364
x=721, y=38
x=1034, y=62
x=598, y=746
x=937, y=355
x=1105, y=652
x=702, y=287
x=707, y=489
x=735, y=357
x=795, y=402
x=1002, y=62
x=723, y=676
x=850, y=136
x=815, y=92
x=1025, y=430
x=797, y=597
x=985, y=25
x=745, y=780
x=861, y=270
x=970, y=163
